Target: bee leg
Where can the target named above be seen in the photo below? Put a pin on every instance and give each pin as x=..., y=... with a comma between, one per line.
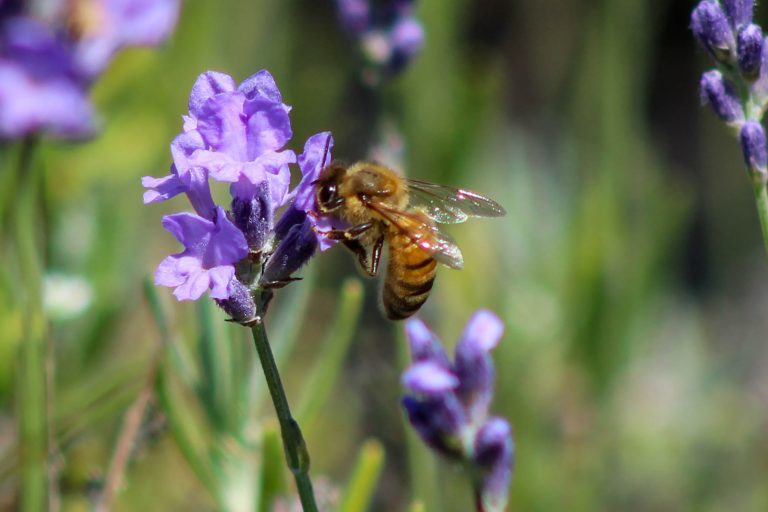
x=352, y=233
x=369, y=262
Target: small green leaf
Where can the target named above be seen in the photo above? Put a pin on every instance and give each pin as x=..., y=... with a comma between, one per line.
x=362, y=484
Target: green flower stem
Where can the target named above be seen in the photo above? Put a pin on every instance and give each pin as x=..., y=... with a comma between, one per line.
x=293, y=441
x=31, y=401
x=761, y=197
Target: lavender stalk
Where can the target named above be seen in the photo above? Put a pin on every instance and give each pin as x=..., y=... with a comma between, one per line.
x=737, y=90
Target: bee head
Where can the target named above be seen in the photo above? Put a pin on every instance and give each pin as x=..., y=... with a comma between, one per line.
x=327, y=188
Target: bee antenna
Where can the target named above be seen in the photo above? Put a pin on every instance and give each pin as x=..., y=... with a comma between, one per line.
x=325, y=151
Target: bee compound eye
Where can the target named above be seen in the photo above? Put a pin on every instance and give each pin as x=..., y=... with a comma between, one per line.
x=327, y=194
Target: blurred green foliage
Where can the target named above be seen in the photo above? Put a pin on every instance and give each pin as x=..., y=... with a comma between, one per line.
x=628, y=271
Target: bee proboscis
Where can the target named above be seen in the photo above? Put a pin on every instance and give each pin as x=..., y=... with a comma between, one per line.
x=379, y=205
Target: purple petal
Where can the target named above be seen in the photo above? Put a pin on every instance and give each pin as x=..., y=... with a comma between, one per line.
x=122, y=23
x=439, y=421
x=183, y=147
x=206, y=86
x=429, y=378
x=483, y=330
x=161, y=189
x=173, y=270
x=424, y=344
x=261, y=84
x=268, y=126
x=220, y=278
x=408, y=36
x=199, y=192
x=222, y=127
x=194, y=287
x=193, y=231
x=227, y=244
x=311, y=163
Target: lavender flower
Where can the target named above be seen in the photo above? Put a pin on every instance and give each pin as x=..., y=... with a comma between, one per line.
x=45, y=72
x=40, y=89
x=236, y=134
x=212, y=248
x=449, y=404
x=738, y=90
x=388, y=34
x=106, y=26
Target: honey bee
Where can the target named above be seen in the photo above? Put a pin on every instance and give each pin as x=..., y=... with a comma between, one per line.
x=381, y=205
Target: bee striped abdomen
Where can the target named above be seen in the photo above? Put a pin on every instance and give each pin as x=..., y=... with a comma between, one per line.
x=410, y=276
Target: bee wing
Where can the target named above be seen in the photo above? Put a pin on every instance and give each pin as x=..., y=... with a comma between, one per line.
x=449, y=205
x=423, y=233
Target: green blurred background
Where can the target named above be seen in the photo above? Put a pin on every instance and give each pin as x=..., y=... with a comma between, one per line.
x=629, y=270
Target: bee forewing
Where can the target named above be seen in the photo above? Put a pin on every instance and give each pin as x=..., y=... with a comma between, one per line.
x=449, y=205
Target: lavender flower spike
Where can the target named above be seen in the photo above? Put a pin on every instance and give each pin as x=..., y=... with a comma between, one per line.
x=40, y=89
x=448, y=404
x=120, y=23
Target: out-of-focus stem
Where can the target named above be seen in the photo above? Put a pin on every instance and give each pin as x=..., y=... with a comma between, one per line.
x=31, y=371
x=293, y=441
x=761, y=198
x=129, y=433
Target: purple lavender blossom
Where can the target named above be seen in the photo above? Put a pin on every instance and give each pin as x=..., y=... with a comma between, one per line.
x=212, y=248
x=40, y=89
x=232, y=134
x=45, y=73
x=106, y=26
x=449, y=404
x=235, y=134
x=388, y=34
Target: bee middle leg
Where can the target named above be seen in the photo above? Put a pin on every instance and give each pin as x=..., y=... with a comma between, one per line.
x=369, y=262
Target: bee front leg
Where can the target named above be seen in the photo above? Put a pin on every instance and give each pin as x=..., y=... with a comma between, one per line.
x=352, y=233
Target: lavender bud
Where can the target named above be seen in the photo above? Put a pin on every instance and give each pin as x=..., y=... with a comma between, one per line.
x=239, y=305
x=254, y=217
x=739, y=12
x=711, y=28
x=749, y=51
x=753, y=145
x=297, y=244
x=494, y=457
x=721, y=96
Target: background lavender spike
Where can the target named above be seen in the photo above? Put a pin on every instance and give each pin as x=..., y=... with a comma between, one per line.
x=737, y=94
x=448, y=405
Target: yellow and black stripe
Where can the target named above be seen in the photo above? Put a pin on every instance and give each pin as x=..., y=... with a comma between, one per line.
x=410, y=276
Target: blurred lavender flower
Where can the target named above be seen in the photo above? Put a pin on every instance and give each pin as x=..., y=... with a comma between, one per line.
x=737, y=90
x=40, y=88
x=102, y=27
x=449, y=404
x=46, y=68
x=235, y=134
x=388, y=34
